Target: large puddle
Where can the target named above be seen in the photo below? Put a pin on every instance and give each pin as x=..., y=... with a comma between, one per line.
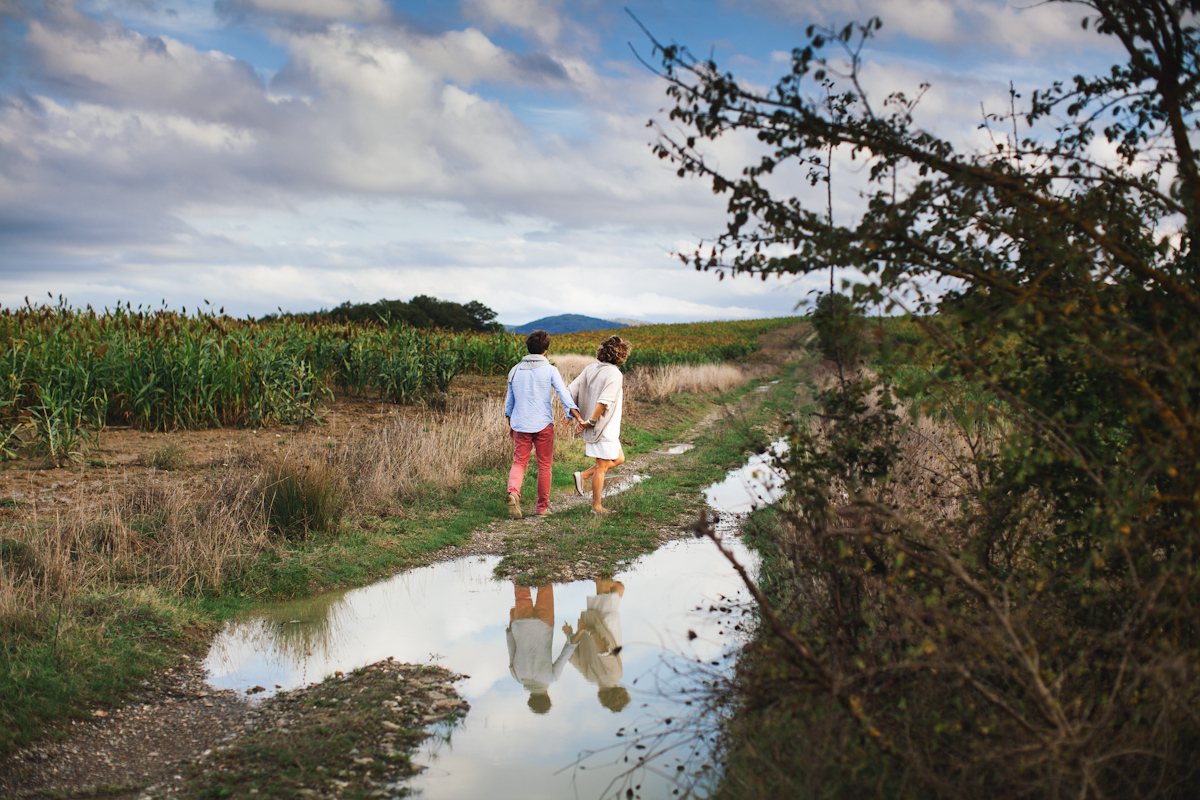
x=586, y=689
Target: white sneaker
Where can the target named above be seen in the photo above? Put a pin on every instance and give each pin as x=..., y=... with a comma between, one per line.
x=579, y=484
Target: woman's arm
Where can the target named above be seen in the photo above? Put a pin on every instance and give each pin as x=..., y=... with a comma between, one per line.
x=581, y=426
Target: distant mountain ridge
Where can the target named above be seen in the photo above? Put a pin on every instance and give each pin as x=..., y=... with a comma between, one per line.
x=567, y=323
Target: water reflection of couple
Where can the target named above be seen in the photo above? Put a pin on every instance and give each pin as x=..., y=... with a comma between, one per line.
x=594, y=649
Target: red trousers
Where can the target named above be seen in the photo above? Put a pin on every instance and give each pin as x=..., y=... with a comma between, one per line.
x=543, y=443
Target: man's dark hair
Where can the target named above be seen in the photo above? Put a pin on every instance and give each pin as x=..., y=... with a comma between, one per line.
x=538, y=342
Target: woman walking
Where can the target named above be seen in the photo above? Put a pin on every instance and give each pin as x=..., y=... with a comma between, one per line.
x=599, y=389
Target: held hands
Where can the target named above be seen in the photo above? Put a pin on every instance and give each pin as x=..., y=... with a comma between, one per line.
x=572, y=635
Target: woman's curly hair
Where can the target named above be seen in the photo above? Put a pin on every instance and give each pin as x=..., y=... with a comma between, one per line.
x=614, y=350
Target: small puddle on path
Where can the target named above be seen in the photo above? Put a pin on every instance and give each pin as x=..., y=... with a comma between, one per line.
x=549, y=718
x=756, y=484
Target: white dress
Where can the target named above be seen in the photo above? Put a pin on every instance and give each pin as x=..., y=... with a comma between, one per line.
x=600, y=383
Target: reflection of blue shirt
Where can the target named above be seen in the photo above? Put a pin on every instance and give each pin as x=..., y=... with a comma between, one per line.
x=530, y=384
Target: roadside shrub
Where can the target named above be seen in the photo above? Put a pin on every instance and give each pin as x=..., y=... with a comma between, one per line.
x=839, y=328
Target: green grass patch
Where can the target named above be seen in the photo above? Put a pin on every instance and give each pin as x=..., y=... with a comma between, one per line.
x=86, y=656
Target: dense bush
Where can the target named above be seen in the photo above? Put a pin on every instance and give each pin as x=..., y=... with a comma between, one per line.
x=985, y=587
x=839, y=328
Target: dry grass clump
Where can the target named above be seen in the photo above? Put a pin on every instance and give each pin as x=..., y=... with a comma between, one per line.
x=659, y=383
x=571, y=364
x=412, y=454
x=171, y=456
x=301, y=494
x=144, y=534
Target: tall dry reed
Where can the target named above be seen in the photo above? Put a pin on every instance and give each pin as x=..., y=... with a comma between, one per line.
x=571, y=364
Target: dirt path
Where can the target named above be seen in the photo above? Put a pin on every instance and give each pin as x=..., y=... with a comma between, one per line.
x=177, y=718
x=489, y=539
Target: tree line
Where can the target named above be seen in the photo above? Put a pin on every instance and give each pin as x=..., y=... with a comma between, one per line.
x=422, y=311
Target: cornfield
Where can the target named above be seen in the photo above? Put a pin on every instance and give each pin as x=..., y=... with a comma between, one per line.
x=65, y=373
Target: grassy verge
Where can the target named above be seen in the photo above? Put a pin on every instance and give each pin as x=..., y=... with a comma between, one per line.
x=93, y=650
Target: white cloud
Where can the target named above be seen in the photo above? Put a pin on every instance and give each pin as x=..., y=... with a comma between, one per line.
x=493, y=157
x=539, y=17
x=109, y=64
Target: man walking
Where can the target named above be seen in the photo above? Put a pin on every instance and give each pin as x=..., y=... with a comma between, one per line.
x=531, y=419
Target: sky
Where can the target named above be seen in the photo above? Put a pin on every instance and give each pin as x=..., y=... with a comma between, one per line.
x=264, y=155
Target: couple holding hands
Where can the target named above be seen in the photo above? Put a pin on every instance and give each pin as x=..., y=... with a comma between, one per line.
x=531, y=386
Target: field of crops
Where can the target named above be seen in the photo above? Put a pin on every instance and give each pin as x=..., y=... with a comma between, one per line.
x=682, y=343
x=66, y=373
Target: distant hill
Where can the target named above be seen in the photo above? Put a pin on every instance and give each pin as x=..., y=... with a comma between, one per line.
x=567, y=323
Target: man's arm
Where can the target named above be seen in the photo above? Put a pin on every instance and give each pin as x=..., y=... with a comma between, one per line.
x=564, y=394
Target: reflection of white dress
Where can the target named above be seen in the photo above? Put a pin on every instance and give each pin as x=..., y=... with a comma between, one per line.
x=595, y=657
x=530, y=643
